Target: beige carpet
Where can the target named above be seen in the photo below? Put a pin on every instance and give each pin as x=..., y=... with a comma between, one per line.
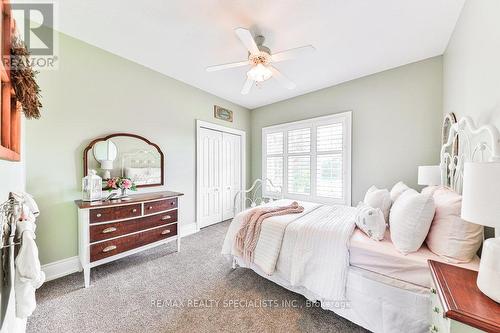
x=163, y=291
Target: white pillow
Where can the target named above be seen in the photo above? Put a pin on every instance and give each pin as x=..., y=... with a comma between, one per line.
x=411, y=218
x=379, y=198
x=451, y=237
x=397, y=190
x=371, y=221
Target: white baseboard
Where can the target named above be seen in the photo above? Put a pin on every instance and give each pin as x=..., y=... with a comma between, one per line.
x=60, y=268
x=189, y=229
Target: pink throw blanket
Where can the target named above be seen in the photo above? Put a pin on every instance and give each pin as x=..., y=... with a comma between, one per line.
x=248, y=235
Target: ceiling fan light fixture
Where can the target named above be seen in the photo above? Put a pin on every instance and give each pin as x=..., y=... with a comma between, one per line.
x=259, y=73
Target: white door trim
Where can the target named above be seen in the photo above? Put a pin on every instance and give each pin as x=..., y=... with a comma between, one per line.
x=216, y=127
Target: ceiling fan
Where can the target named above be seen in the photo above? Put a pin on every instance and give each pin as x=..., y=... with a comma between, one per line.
x=260, y=59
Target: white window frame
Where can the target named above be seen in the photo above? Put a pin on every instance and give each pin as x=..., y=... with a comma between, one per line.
x=313, y=123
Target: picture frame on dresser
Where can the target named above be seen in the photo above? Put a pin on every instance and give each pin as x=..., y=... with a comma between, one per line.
x=111, y=230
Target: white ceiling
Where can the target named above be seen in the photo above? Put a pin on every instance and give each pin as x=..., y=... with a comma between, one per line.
x=353, y=38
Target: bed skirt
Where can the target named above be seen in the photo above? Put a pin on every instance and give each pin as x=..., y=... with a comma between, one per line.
x=374, y=302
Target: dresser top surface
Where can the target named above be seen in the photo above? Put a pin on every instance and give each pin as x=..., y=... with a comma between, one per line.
x=134, y=198
x=462, y=299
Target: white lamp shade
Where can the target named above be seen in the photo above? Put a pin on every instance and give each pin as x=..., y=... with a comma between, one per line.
x=429, y=175
x=107, y=165
x=481, y=194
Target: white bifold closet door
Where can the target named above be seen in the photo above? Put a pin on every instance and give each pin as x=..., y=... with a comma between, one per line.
x=219, y=158
x=231, y=173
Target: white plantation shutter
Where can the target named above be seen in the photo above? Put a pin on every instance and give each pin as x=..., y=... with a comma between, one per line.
x=299, y=141
x=274, y=160
x=329, y=178
x=299, y=164
x=274, y=143
x=274, y=171
x=310, y=159
x=299, y=174
x=330, y=137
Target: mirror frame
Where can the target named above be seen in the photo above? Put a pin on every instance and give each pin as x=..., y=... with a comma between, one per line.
x=105, y=138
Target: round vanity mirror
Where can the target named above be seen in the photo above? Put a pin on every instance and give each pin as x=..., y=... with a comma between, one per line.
x=105, y=151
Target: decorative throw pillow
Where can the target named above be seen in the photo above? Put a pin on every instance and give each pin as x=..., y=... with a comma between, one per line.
x=411, y=218
x=430, y=189
x=379, y=198
x=451, y=237
x=371, y=221
x=397, y=190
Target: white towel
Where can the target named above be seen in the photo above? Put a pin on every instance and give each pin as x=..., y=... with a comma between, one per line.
x=28, y=272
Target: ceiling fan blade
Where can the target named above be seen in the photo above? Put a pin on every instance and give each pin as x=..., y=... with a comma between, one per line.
x=247, y=86
x=247, y=39
x=293, y=53
x=227, y=66
x=282, y=78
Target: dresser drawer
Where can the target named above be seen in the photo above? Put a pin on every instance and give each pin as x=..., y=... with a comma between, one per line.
x=110, y=230
x=114, y=213
x=112, y=247
x=159, y=206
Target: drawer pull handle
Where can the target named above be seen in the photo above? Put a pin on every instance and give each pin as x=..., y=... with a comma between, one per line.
x=172, y=203
x=166, y=217
x=436, y=309
x=99, y=215
x=134, y=210
x=164, y=232
x=109, y=248
x=433, y=291
x=150, y=207
x=108, y=230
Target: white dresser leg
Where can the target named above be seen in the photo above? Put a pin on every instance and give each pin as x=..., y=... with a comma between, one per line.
x=178, y=244
x=86, y=276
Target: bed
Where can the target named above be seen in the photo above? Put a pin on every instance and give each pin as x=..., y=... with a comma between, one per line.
x=382, y=289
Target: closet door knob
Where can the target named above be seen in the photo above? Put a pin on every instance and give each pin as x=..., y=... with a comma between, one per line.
x=164, y=232
x=166, y=217
x=109, y=248
x=108, y=230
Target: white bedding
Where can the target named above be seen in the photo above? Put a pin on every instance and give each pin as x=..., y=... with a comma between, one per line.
x=317, y=260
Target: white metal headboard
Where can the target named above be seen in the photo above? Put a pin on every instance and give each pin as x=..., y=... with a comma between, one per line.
x=143, y=158
x=472, y=143
x=256, y=198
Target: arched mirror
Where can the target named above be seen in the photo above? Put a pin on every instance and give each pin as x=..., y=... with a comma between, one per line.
x=125, y=155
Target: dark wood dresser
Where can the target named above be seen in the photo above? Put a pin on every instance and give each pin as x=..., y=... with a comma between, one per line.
x=110, y=230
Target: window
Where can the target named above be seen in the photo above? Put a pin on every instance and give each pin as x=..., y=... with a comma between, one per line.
x=10, y=115
x=309, y=159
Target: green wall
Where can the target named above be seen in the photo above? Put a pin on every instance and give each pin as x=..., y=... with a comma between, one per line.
x=94, y=93
x=396, y=121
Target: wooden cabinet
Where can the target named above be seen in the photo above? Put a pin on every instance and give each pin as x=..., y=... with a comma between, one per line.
x=111, y=230
x=457, y=304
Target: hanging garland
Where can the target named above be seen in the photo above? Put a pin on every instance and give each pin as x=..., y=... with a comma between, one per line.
x=23, y=78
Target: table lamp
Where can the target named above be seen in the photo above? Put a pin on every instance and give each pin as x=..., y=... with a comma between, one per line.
x=429, y=175
x=106, y=165
x=481, y=205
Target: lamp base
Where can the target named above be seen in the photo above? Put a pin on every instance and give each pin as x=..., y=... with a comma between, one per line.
x=489, y=269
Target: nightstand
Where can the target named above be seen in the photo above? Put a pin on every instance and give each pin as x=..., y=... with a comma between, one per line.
x=457, y=304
